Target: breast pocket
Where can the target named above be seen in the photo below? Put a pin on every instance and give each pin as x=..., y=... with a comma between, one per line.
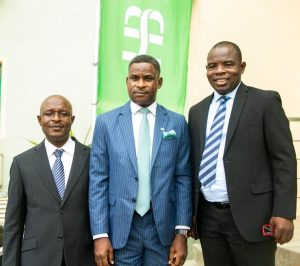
x=169, y=146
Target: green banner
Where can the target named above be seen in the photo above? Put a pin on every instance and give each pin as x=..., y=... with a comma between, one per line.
x=131, y=27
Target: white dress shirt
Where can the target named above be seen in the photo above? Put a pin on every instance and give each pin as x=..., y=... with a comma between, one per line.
x=217, y=192
x=66, y=158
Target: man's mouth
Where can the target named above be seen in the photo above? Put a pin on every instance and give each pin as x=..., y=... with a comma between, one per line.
x=56, y=127
x=140, y=93
x=221, y=82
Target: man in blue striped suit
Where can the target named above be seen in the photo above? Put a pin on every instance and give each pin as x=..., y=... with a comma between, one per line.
x=140, y=216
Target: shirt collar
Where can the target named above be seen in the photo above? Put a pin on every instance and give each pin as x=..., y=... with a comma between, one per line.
x=68, y=147
x=231, y=94
x=135, y=107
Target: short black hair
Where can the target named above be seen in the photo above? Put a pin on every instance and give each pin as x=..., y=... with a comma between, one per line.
x=144, y=58
x=228, y=43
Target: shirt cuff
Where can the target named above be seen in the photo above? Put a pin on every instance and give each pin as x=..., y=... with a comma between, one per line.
x=182, y=227
x=100, y=236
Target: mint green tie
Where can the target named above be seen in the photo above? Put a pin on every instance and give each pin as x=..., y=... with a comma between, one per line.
x=143, y=162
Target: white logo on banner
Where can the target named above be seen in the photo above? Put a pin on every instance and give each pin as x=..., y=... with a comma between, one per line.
x=142, y=33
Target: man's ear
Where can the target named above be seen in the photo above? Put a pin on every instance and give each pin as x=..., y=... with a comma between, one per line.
x=160, y=82
x=243, y=66
x=39, y=119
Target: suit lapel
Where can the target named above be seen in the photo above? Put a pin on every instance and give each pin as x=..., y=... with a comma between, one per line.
x=237, y=108
x=203, y=114
x=41, y=163
x=161, y=122
x=125, y=122
x=79, y=159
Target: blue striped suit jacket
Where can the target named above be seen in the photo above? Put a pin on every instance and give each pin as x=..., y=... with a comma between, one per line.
x=114, y=179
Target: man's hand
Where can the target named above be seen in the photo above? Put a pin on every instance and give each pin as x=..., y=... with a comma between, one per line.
x=103, y=252
x=283, y=229
x=178, y=250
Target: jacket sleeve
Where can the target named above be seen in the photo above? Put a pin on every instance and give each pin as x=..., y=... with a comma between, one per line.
x=183, y=180
x=283, y=159
x=98, y=183
x=14, y=218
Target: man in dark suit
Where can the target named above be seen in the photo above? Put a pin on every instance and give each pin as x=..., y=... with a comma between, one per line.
x=244, y=167
x=47, y=220
x=140, y=216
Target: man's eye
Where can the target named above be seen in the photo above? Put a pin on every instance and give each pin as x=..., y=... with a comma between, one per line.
x=149, y=79
x=134, y=78
x=65, y=114
x=210, y=66
x=47, y=113
x=228, y=64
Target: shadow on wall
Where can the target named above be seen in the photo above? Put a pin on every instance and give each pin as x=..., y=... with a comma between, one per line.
x=1, y=241
x=1, y=235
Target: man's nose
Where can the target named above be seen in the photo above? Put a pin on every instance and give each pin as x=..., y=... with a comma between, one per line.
x=56, y=116
x=141, y=82
x=220, y=69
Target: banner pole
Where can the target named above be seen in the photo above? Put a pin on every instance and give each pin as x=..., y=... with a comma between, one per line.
x=95, y=65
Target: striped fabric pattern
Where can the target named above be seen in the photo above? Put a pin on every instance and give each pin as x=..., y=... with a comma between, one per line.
x=207, y=173
x=113, y=183
x=58, y=173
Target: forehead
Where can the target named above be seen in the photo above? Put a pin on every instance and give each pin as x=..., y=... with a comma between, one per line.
x=222, y=53
x=55, y=103
x=142, y=68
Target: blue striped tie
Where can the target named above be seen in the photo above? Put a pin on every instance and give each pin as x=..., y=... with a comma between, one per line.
x=207, y=173
x=58, y=173
x=143, y=162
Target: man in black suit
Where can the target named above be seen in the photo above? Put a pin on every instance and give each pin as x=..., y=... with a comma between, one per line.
x=244, y=168
x=47, y=221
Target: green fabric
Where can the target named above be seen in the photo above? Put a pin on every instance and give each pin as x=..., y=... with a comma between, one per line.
x=156, y=27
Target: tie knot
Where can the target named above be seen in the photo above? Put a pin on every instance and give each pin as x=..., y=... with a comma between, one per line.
x=224, y=99
x=144, y=111
x=58, y=153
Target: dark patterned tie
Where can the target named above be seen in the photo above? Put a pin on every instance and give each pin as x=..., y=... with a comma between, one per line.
x=58, y=173
x=207, y=173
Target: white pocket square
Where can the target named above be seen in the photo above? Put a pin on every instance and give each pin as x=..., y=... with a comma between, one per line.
x=169, y=134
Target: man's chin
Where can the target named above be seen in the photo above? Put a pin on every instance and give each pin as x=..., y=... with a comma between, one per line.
x=142, y=103
x=57, y=139
x=222, y=90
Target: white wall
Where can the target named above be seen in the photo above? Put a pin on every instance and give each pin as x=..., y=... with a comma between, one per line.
x=49, y=48
x=268, y=33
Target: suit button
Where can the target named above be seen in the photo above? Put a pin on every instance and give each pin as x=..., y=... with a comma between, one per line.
x=134, y=200
x=59, y=238
x=62, y=212
x=136, y=178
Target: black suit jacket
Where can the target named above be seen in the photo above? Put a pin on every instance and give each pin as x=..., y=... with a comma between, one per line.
x=40, y=228
x=259, y=160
